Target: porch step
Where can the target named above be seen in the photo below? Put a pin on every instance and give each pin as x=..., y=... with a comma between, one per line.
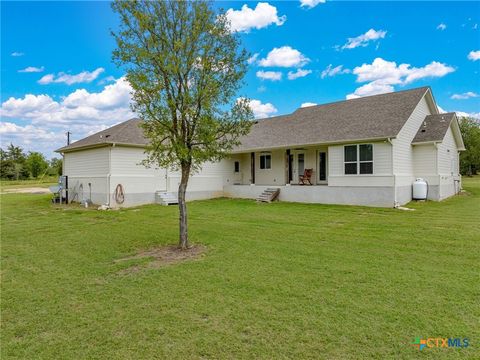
x=269, y=195
x=165, y=198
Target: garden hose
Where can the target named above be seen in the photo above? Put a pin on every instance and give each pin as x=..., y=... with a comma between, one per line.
x=119, y=194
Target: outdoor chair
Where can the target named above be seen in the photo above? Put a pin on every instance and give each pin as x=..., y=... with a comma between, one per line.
x=306, y=177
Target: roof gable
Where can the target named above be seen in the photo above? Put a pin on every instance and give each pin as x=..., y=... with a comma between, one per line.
x=434, y=129
x=128, y=132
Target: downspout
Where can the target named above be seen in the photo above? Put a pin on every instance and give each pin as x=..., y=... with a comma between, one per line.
x=395, y=202
x=437, y=172
x=109, y=172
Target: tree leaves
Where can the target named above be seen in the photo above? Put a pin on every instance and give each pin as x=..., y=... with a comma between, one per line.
x=185, y=67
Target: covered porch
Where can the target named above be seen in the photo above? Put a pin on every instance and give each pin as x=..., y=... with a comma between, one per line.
x=282, y=167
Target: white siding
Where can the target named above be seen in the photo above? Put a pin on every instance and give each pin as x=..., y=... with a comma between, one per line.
x=424, y=160
x=448, y=155
x=139, y=182
x=93, y=162
x=402, y=145
x=210, y=178
x=382, y=167
x=87, y=172
x=335, y=161
x=276, y=174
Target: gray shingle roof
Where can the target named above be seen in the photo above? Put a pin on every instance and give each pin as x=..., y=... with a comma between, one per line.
x=434, y=128
x=371, y=117
x=128, y=132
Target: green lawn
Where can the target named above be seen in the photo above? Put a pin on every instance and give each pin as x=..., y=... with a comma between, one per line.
x=279, y=280
x=43, y=182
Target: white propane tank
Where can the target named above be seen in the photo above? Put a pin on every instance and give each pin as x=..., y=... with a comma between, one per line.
x=420, y=189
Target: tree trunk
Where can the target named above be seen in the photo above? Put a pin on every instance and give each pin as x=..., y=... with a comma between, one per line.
x=182, y=206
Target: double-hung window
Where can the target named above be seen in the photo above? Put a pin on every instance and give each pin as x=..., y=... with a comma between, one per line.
x=265, y=161
x=358, y=159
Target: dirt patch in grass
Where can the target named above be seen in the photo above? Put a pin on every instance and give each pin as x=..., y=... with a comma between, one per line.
x=26, y=190
x=162, y=256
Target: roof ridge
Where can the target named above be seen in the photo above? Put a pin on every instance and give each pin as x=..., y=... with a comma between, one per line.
x=361, y=98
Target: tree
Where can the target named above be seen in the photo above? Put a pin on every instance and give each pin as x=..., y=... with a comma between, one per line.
x=185, y=67
x=470, y=158
x=55, y=166
x=36, y=164
x=16, y=165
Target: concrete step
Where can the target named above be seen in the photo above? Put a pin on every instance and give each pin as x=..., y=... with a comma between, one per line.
x=165, y=198
x=268, y=195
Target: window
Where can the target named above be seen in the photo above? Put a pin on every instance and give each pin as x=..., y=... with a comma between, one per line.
x=350, y=159
x=265, y=161
x=237, y=166
x=358, y=159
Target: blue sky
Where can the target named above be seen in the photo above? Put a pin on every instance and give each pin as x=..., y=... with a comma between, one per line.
x=57, y=73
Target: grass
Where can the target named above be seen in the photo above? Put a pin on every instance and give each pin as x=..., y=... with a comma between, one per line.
x=280, y=280
x=43, y=182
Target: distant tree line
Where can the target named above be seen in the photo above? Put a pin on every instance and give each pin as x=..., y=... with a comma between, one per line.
x=15, y=164
x=470, y=159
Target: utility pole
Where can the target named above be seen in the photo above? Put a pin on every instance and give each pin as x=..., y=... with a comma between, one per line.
x=68, y=137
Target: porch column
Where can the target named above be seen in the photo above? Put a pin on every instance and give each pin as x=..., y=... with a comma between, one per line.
x=252, y=168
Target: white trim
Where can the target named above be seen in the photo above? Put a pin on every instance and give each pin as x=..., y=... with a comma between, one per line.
x=358, y=161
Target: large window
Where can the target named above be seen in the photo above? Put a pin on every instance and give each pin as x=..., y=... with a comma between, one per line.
x=265, y=161
x=358, y=159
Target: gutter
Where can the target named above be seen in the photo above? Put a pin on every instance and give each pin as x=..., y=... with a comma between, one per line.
x=327, y=143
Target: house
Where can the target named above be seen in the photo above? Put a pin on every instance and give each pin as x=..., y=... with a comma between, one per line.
x=365, y=151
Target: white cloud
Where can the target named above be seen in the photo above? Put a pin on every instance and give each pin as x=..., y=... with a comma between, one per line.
x=17, y=53
x=253, y=58
x=269, y=75
x=332, y=71
x=467, y=95
x=246, y=19
x=364, y=39
x=382, y=75
x=307, y=104
x=441, y=110
x=107, y=80
x=461, y=113
x=284, y=56
x=32, y=69
x=311, y=3
x=80, y=112
x=434, y=69
x=25, y=134
x=298, y=74
x=474, y=115
x=474, y=55
x=372, y=88
x=80, y=107
x=83, y=77
x=441, y=26
x=261, y=110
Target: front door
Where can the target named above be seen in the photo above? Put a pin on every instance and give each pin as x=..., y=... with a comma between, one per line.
x=298, y=165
